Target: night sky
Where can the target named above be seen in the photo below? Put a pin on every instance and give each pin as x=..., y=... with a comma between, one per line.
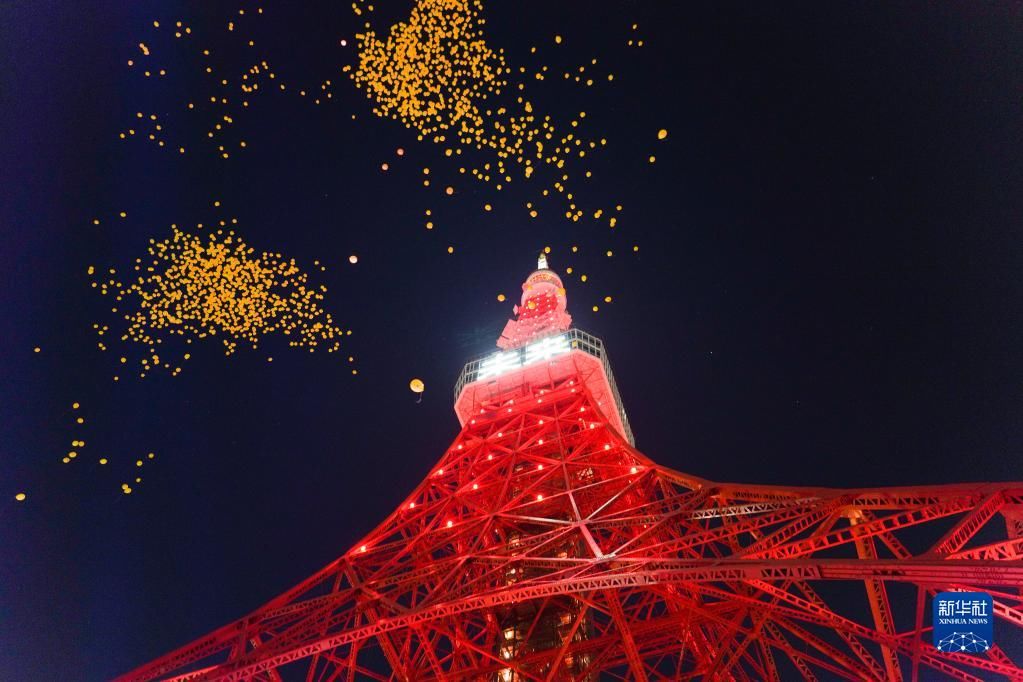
x=827, y=289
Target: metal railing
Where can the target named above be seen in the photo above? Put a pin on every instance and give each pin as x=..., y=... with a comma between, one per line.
x=578, y=340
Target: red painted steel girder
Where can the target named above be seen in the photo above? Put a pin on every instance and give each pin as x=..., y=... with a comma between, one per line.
x=541, y=518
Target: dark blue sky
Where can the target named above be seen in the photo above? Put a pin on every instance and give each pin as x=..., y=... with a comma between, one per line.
x=827, y=289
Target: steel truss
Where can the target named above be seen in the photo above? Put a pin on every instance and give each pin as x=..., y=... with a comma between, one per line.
x=542, y=516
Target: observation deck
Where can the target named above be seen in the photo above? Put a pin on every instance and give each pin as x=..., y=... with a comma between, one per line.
x=511, y=373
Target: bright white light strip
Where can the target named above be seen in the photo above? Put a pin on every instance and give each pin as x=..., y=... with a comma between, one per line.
x=499, y=363
x=544, y=349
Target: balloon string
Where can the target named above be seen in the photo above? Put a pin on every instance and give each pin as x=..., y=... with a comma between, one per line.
x=420, y=399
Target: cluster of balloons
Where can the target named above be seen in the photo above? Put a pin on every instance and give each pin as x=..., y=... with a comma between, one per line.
x=78, y=449
x=220, y=94
x=214, y=286
x=436, y=74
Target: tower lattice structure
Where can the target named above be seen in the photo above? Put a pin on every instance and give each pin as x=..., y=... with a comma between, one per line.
x=544, y=546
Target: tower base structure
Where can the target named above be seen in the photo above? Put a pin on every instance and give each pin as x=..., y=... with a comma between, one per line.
x=543, y=546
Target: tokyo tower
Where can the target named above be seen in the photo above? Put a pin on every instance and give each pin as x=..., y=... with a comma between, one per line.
x=544, y=546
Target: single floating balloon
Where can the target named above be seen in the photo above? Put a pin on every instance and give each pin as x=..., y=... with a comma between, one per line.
x=417, y=386
x=353, y=259
x=661, y=134
x=20, y=497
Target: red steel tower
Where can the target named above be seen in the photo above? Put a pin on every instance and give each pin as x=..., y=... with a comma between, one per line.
x=544, y=546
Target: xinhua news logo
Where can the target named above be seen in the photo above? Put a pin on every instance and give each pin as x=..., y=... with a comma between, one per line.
x=963, y=622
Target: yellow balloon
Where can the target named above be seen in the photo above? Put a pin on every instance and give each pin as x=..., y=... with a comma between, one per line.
x=417, y=386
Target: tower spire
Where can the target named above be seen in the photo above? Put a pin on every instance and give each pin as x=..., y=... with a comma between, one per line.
x=542, y=310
